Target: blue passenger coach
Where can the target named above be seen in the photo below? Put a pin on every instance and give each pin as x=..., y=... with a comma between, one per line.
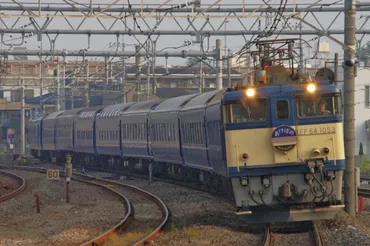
x=165, y=134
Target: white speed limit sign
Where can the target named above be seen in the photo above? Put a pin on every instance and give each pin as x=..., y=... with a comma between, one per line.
x=52, y=174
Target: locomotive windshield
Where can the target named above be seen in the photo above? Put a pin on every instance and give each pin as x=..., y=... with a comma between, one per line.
x=246, y=111
x=323, y=106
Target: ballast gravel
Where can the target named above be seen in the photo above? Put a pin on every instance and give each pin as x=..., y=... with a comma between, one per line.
x=199, y=218
x=7, y=184
x=91, y=212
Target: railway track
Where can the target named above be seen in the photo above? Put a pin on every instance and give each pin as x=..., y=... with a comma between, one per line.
x=15, y=192
x=131, y=219
x=273, y=234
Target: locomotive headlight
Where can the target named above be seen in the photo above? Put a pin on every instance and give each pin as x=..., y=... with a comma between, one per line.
x=250, y=92
x=311, y=87
x=316, y=152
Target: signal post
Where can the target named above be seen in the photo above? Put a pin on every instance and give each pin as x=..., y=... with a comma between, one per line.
x=68, y=172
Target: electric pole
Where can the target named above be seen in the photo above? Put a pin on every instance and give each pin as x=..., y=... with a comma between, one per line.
x=138, y=66
x=23, y=122
x=57, y=101
x=87, y=88
x=301, y=69
x=336, y=72
x=349, y=112
x=218, y=64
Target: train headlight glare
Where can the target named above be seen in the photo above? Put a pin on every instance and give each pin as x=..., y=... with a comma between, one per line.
x=311, y=87
x=250, y=92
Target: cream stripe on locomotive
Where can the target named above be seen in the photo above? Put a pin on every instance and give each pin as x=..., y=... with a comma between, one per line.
x=258, y=145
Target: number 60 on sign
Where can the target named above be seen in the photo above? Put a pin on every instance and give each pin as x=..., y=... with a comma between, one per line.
x=52, y=174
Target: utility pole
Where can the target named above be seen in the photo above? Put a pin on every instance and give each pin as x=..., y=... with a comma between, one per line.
x=148, y=80
x=106, y=81
x=301, y=63
x=218, y=64
x=229, y=64
x=23, y=122
x=57, y=101
x=201, y=75
x=63, y=89
x=155, y=85
x=349, y=113
x=123, y=87
x=86, y=73
x=137, y=62
x=336, y=73
x=41, y=71
x=123, y=78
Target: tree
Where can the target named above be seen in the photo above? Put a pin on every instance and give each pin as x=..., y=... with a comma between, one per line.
x=361, y=151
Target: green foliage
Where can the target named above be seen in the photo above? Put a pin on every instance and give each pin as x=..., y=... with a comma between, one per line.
x=361, y=151
x=365, y=167
x=173, y=228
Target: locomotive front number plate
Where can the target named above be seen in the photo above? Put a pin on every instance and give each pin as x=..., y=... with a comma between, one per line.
x=317, y=130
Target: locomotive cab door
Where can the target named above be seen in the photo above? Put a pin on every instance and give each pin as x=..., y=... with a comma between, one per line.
x=283, y=135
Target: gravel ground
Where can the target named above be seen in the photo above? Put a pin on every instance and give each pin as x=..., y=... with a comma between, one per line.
x=198, y=218
x=91, y=211
x=147, y=217
x=7, y=185
x=301, y=239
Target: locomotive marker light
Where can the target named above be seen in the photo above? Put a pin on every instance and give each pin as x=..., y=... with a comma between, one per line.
x=311, y=87
x=244, y=156
x=326, y=150
x=250, y=92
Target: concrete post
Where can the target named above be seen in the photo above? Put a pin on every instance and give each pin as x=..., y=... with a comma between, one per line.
x=86, y=73
x=23, y=122
x=349, y=113
x=57, y=100
x=218, y=64
x=336, y=63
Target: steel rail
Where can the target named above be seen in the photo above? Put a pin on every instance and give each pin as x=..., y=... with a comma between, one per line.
x=165, y=212
x=308, y=227
x=16, y=191
x=106, y=235
x=316, y=235
x=150, y=237
x=267, y=236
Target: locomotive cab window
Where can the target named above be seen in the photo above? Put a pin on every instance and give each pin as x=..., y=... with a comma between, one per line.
x=282, y=109
x=321, y=106
x=246, y=111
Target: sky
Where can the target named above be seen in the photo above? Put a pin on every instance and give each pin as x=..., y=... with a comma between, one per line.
x=234, y=43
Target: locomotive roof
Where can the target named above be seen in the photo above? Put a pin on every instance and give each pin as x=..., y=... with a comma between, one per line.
x=202, y=99
x=145, y=106
x=114, y=110
x=174, y=103
x=265, y=91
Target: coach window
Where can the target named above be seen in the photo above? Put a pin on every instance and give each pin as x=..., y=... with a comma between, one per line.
x=282, y=109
